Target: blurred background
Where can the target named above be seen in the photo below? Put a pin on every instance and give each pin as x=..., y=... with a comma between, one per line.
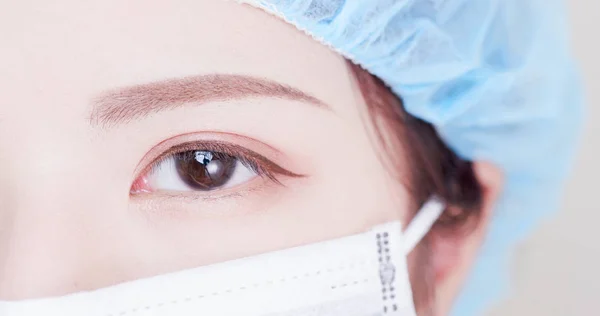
x=556, y=272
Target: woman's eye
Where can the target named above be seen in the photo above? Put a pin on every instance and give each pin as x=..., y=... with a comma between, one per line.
x=196, y=170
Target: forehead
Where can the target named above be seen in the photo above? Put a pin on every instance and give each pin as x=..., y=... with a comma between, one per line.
x=75, y=49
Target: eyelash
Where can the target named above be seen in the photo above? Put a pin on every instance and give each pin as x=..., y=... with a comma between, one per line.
x=262, y=166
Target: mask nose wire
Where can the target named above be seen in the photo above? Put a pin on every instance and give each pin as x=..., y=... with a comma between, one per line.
x=422, y=223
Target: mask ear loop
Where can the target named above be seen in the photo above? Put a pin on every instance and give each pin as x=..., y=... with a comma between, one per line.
x=422, y=223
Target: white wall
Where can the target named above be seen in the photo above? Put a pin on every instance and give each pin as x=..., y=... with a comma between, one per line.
x=557, y=271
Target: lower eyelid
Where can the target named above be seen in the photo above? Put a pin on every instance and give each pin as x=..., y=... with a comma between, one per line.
x=255, y=185
x=166, y=207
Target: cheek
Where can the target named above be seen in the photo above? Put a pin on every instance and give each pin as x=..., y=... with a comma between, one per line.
x=422, y=278
x=357, y=195
x=349, y=192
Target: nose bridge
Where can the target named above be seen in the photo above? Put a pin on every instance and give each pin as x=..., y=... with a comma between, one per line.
x=36, y=252
x=50, y=243
x=42, y=228
x=37, y=175
x=53, y=214
x=42, y=155
x=50, y=219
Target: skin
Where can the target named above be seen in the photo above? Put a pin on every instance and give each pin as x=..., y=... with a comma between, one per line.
x=68, y=222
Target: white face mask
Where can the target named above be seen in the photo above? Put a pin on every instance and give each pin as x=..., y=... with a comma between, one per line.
x=360, y=275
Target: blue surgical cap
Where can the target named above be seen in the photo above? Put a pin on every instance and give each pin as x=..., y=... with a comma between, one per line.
x=495, y=77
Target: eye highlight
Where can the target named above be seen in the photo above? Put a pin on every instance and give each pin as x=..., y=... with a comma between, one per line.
x=206, y=170
x=205, y=166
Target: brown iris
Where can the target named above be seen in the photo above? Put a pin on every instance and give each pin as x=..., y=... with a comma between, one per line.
x=205, y=170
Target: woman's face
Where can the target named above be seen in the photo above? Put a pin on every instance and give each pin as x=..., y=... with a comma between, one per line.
x=96, y=96
x=143, y=137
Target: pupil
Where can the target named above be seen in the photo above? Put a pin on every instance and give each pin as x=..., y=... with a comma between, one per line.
x=205, y=170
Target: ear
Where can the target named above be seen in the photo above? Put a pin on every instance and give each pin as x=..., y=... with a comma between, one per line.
x=453, y=253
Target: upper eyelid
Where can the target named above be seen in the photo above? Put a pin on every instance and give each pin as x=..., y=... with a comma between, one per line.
x=171, y=151
x=202, y=137
x=190, y=146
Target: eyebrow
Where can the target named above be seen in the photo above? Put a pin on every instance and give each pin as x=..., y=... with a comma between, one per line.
x=120, y=106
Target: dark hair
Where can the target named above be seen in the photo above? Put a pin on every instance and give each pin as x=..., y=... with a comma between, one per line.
x=433, y=168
